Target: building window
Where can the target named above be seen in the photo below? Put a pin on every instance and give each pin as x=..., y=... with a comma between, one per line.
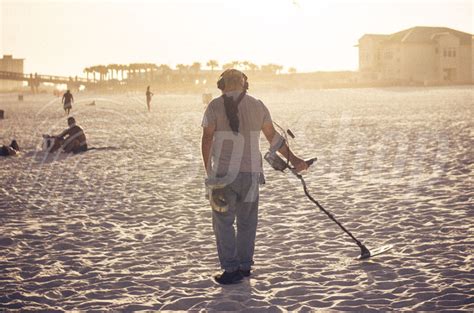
x=449, y=52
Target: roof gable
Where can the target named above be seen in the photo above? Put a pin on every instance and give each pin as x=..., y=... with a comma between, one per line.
x=422, y=34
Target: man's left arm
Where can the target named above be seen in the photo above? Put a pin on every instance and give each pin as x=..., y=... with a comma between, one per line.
x=206, y=145
x=270, y=133
x=209, y=124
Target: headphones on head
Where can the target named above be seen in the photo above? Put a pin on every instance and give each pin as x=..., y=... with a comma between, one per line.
x=221, y=81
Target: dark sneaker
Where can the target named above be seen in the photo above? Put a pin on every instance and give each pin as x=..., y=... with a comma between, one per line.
x=245, y=273
x=228, y=278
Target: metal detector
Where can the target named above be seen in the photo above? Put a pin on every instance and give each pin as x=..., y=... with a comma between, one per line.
x=277, y=163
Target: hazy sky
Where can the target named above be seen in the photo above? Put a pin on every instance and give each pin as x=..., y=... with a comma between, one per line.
x=63, y=37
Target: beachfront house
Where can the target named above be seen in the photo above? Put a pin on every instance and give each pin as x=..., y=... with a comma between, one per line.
x=9, y=64
x=418, y=55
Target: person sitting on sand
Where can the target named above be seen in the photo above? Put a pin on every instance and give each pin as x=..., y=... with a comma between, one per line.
x=67, y=100
x=73, y=139
x=10, y=150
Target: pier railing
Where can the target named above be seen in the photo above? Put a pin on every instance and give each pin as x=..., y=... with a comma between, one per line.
x=4, y=75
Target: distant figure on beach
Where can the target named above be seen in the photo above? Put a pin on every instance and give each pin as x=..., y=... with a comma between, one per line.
x=149, y=94
x=231, y=130
x=67, y=100
x=10, y=150
x=73, y=139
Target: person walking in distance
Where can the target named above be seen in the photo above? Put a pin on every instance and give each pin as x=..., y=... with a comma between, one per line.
x=67, y=101
x=232, y=125
x=149, y=94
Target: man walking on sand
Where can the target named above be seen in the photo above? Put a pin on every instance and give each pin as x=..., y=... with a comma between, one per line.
x=231, y=154
x=149, y=94
x=67, y=100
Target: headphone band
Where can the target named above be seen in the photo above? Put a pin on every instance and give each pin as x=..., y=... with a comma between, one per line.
x=221, y=81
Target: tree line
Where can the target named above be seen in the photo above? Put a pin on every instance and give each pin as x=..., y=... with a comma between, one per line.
x=150, y=71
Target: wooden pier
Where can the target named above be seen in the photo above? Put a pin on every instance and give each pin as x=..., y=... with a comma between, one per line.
x=34, y=80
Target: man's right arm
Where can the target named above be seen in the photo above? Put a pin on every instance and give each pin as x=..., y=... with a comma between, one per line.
x=206, y=145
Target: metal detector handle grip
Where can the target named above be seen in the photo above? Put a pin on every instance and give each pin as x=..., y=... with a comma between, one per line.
x=308, y=162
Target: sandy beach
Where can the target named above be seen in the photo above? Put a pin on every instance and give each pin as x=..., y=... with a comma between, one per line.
x=127, y=226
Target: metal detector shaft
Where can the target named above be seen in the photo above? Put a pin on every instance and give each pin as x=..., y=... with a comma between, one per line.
x=361, y=246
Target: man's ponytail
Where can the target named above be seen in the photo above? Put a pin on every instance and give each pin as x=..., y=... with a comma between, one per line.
x=232, y=110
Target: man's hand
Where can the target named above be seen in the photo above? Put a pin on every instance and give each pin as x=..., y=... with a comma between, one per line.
x=299, y=164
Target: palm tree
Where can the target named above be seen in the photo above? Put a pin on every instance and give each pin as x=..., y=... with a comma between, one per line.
x=227, y=66
x=278, y=68
x=129, y=71
x=102, y=70
x=165, y=71
x=212, y=64
x=94, y=69
x=235, y=64
x=122, y=68
x=267, y=68
x=252, y=66
x=138, y=67
x=87, y=70
x=196, y=67
x=113, y=68
x=182, y=68
x=271, y=68
x=153, y=68
x=147, y=67
x=117, y=69
x=182, y=71
x=134, y=69
x=292, y=70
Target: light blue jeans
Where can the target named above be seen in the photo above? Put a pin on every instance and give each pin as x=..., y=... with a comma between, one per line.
x=235, y=247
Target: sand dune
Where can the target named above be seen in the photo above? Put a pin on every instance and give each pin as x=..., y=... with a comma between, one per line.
x=127, y=226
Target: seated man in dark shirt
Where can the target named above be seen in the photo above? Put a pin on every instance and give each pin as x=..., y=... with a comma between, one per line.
x=73, y=139
x=12, y=149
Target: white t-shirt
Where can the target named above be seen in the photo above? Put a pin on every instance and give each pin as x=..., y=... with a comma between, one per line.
x=236, y=152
